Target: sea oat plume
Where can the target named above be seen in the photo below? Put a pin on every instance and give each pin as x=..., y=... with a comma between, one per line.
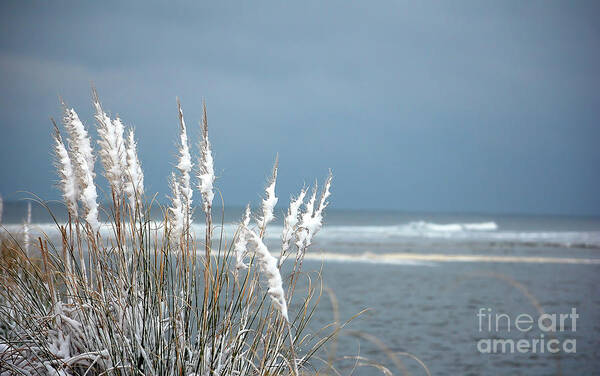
x=317, y=221
x=112, y=148
x=122, y=150
x=310, y=205
x=1, y=208
x=176, y=211
x=268, y=266
x=68, y=181
x=88, y=198
x=325, y=194
x=241, y=241
x=312, y=218
x=269, y=202
x=83, y=159
x=290, y=222
x=79, y=140
x=134, y=182
x=184, y=166
x=206, y=177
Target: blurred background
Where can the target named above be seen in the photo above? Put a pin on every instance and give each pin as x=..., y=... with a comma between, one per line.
x=463, y=139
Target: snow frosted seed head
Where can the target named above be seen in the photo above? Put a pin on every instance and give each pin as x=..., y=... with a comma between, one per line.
x=112, y=147
x=312, y=217
x=325, y=194
x=241, y=241
x=134, y=181
x=176, y=211
x=78, y=139
x=82, y=158
x=206, y=177
x=184, y=166
x=268, y=267
x=291, y=220
x=269, y=202
x=68, y=181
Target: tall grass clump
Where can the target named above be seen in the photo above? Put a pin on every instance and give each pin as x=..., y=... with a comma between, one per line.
x=133, y=295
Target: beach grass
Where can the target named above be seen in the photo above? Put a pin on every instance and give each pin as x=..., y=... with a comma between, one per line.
x=133, y=295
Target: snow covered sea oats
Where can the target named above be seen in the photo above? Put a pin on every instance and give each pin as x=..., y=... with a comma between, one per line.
x=83, y=160
x=133, y=302
x=290, y=223
x=269, y=202
x=181, y=190
x=112, y=147
x=268, y=267
x=184, y=166
x=177, y=211
x=68, y=181
x=240, y=246
x=312, y=218
x=206, y=177
x=134, y=181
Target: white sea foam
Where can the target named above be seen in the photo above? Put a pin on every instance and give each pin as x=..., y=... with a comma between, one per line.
x=480, y=234
x=483, y=226
x=433, y=259
x=425, y=227
x=332, y=236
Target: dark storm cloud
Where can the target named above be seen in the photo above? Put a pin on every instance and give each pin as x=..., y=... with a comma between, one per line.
x=476, y=106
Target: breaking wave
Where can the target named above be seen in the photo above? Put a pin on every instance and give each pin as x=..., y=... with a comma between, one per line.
x=481, y=233
x=435, y=259
x=468, y=233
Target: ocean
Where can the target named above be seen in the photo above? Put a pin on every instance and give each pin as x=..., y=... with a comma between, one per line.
x=460, y=294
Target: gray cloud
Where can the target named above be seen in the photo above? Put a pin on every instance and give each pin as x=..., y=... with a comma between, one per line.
x=476, y=106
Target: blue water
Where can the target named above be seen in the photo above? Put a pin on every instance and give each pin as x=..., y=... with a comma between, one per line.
x=428, y=307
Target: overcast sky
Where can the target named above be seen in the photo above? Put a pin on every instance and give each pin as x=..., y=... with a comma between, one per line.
x=478, y=106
